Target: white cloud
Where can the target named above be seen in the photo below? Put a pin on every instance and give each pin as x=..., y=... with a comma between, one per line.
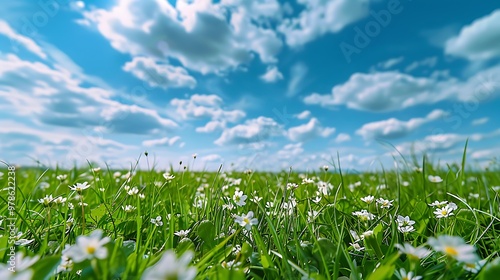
x=477, y=41
x=390, y=63
x=304, y=115
x=391, y=91
x=342, y=137
x=16, y=38
x=442, y=143
x=393, y=128
x=320, y=17
x=206, y=106
x=54, y=96
x=290, y=151
x=165, y=141
x=211, y=158
x=272, y=75
x=252, y=131
x=298, y=73
x=310, y=130
x=228, y=33
x=159, y=75
x=212, y=126
x=480, y=121
x=429, y=62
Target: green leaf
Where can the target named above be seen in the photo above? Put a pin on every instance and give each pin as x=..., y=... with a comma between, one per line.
x=184, y=245
x=233, y=274
x=490, y=270
x=206, y=231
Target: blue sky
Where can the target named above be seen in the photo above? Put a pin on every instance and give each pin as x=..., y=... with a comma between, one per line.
x=249, y=84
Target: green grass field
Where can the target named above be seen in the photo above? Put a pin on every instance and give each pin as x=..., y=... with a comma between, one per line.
x=417, y=222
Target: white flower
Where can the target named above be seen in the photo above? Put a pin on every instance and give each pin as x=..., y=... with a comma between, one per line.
x=59, y=200
x=317, y=199
x=128, y=208
x=157, y=221
x=412, y=252
x=364, y=215
x=46, y=201
x=406, y=229
x=89, y=247
x=357, y=247
x=21, y=267
x=291, y=186
x=435, y=179
x=169, y=267
x=79, y=187
x=326, y=167
x=384, y=203
x=444, y=212
x=455, y=247
x=66, y=264
x=133, y=191
x=438, y=203
x=182, y=233
x=403, y=275
x=168, y=177
x=307, y=181
x=474, y=267
x=356, y=237
x=404, y=221
x=368, y=199
x=246, y=221
x=239, y=198
x=452, y=206
x=61, y=177
x=256, y=199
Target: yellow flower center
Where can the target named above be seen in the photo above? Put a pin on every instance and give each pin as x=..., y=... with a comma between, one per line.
x=470, y=265
x=91, y=249
x=450, y=251
x=444, y=212
x=246, y=220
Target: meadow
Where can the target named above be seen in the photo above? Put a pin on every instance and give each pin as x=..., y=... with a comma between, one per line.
x=418, y=221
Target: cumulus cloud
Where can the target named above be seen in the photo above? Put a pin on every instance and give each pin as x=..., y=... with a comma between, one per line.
x=163, y=31
x=393, y=128
x=165, y=141
x=290, y=151
x=272, y=75
x=304, y=115
x=392, y=90
x=477, y=41
x=342, y=137
x=310, y=130
x=441, y=143
x=18, y=39
x=252, y=131
x=159, y=75
x=320, y=17
x=206, y=106
x=54, y=96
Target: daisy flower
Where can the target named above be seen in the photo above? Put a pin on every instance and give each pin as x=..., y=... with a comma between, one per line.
x=246, y=221
x=79, y=187
x=412, y=252
x=182, y=233
x=384, y=203
x=170, y=267
x=403, y=275
x=368, y=199
x=435, y=179
x=157, y=221
x=438, y=203
x=239, y=198
x=89, y=247
x=444, y=212
x=454, y=247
